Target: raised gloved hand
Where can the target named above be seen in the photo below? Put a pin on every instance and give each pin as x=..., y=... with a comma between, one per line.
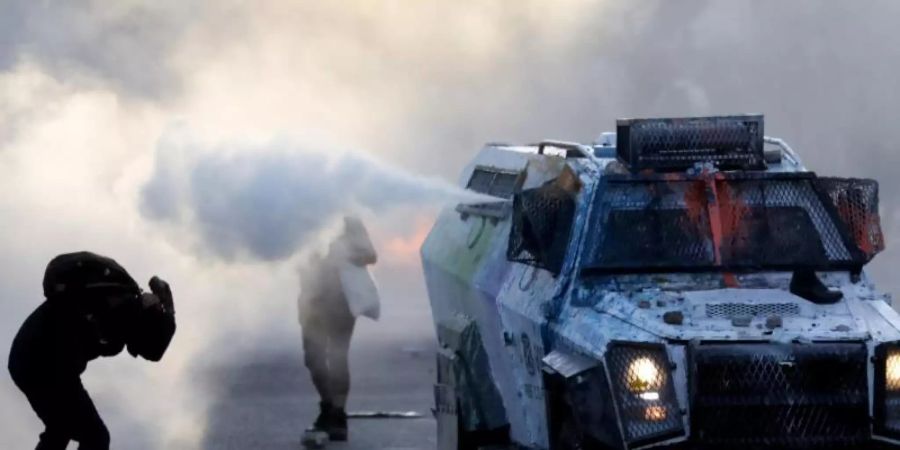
x=162, y=290
x=154, y=326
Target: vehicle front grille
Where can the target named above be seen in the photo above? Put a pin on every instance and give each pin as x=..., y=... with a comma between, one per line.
x=779, y=396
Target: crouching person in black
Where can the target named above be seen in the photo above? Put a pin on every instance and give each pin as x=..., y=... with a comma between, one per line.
x=93, y=308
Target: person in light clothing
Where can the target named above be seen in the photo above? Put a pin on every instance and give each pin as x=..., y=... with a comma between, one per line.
x=335, y=289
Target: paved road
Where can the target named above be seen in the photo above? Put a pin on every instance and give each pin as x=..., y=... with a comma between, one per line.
x=265, y=401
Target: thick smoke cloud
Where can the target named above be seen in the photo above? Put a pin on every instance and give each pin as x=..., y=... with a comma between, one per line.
x=266, y=201
x=416, y=85
x=123, y=44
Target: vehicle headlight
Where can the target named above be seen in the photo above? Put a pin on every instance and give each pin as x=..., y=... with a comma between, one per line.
x=892, y=371
x=643, y=376
x=887, y=389
x=642, y=385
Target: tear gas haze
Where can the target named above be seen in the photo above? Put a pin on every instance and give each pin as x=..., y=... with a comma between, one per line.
x=378, y=101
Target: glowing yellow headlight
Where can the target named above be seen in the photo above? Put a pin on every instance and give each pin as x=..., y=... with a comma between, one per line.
x=892, y=372
x=644, y=375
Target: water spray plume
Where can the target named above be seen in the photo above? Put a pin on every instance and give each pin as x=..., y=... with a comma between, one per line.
x=266, y=201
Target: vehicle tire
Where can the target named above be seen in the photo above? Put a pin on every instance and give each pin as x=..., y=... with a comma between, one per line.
x=481, y=439
x=568, y=437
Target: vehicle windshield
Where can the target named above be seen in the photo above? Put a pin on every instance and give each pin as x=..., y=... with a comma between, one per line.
x=739, y=221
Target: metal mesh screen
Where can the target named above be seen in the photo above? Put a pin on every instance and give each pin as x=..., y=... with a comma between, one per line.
x=644, y=392
x=786, y=213
x=892, y=413
x=887, y=390
x=672, y=144
x=780, y=396
x=653, y=224
x=855, y=203
x=772, y=222
x=732, y=310
x=892, y=390
x=541, y=224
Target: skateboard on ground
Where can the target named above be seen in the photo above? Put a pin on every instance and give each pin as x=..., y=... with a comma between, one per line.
x=317, y=439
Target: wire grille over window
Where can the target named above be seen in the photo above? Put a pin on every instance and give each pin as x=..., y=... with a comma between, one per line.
x=642, y=382
x=541, y=224
x=790, y=202
x=780, y=396
x=732, y=310
x=494, y=182
x=855, y=202
x=733, y=222
x=652, y=224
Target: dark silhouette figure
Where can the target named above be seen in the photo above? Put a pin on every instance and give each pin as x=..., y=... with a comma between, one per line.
x=93, y=308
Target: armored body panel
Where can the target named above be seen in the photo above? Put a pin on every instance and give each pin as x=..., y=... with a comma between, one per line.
x=694, y=286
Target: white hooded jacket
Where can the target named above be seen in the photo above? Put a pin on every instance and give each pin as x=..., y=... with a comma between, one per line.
x=341, y=280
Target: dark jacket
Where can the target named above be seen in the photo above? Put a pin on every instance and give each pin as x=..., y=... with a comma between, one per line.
x=93, y=308
x=58, y=338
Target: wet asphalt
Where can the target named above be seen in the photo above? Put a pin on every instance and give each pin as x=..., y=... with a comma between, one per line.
x=265, y=401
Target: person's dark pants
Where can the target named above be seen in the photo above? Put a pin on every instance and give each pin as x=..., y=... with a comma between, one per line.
x=326, y=344
x=46, y=360
x=67, y=412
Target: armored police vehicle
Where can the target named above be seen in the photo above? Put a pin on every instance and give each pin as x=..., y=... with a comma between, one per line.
x=681, y=283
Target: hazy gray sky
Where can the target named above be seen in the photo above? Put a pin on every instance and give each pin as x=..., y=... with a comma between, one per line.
x=171, y=134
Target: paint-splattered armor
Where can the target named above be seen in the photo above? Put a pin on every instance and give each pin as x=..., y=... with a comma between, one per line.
x=678, y=283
